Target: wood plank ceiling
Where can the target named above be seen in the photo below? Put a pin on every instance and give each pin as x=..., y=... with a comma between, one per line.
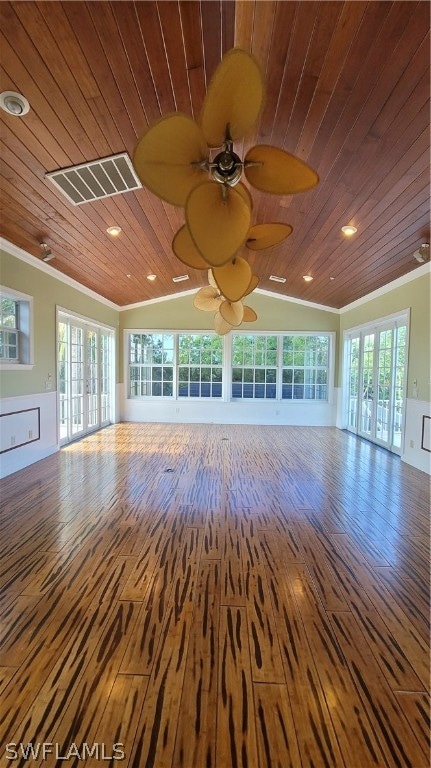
x=347, y=91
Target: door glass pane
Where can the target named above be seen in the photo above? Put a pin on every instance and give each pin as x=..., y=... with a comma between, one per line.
x=367, y=411
x=400, y=361
x=384, y=385
x=105, y=377
x=92, y=379
x=76, y=379
x=63, y=378
x=352, y=416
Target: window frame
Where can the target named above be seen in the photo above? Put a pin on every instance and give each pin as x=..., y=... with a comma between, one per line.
x=227, y=367
x=152, y=365
x=25, y=331
x=199, y=366
x=305, y=367
x=254, y=366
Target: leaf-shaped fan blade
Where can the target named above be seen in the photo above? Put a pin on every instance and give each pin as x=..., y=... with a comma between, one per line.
x=243, y=191
x=186, y=251
x=167, y=156
x=266, y=235
x=234, y=278
x=218, y=218
x=208, y=299
x=220, y=325
x=232, y=312
x=234, y=98
x=271, y=169
x=249, y=315
x=211, y=279
x=253, y=284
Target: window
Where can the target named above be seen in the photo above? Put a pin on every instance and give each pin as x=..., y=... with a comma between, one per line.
x=200, y=358
x=151, y=359
x=175, y=365
x=15, y=330
x=305, y=367
x=254, y=366
x=239, y=366
x=9, y=329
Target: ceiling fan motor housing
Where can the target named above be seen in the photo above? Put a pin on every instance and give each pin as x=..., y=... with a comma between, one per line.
x=227, y=167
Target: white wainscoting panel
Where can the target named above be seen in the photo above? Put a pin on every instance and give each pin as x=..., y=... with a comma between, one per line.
x=221, y=412
x=28, y=426
x=414, y=453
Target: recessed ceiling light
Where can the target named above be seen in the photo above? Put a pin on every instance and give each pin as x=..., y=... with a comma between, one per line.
x=14, y=103
x=307, y=278
x=180, y=278
x=349, y=230
x=277, y=279
x=114, y=231
x=151, y=277
x=129, y=275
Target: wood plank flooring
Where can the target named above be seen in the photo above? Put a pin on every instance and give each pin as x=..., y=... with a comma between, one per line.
x=208, y=596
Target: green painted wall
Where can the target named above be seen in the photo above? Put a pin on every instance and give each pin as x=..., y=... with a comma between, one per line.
x=273, y=315
x=47, y=292
x=416, y=296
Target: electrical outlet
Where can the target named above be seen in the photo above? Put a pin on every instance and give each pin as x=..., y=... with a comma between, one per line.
x=48, y=385
x=412, y=443
x=12, y=440
x=30, y=434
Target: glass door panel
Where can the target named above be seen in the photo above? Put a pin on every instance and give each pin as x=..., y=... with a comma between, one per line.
x=77, y=380
x=92, y=382
x=384, y=387
x=63, y=357
x=400, y=361
x=367, y=405
x=352, y=416
x=105, y=377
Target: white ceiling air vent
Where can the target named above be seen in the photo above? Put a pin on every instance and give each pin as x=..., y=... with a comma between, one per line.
x=97, y=179
x=423, y=253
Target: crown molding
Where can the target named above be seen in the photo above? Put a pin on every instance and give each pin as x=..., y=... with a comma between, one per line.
x=14, y=250
x=293, y=300
x=424, y=269
x=19, y=253
x=159, y=299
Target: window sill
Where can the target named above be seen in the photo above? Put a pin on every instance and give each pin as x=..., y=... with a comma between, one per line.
x=16, y=366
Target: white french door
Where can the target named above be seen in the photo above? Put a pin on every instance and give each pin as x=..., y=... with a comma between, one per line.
x=85, y=376
x=375, y=382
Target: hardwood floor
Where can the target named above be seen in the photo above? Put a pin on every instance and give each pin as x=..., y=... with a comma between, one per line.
x=208, y=596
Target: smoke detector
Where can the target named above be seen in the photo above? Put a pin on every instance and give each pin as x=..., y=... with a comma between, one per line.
x=14, y=103
x=423, y=253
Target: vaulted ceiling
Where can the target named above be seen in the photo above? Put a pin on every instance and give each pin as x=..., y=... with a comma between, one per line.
x=347, y=90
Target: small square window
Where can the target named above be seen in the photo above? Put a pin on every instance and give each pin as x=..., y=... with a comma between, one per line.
x=16, y=340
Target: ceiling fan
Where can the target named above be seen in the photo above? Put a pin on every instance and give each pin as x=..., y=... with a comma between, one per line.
x=173, y=159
